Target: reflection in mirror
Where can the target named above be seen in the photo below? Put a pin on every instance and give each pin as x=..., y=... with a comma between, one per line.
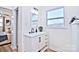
x=34, y=17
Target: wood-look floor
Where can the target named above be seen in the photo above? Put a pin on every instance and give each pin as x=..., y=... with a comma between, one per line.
x=49, y=50
x=6, y=48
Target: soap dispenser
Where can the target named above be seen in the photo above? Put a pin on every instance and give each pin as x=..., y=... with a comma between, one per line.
x=32, y=30
x=36, y=31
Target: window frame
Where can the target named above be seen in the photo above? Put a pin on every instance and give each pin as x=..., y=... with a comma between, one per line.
x=55, y=25
x=1, y=22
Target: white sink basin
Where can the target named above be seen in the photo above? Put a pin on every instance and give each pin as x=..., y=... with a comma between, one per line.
x=33, y=34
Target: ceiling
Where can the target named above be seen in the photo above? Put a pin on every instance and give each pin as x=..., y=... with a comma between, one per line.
x=10, y=7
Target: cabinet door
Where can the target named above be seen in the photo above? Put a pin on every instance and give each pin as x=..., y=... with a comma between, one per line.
x=35, y=44
x=41, y=41
x=27, y=44
x=31, y=44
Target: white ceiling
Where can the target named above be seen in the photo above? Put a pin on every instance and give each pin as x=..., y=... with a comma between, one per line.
x=10, y=7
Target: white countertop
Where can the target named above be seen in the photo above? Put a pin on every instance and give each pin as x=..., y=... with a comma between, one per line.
x=34, y=34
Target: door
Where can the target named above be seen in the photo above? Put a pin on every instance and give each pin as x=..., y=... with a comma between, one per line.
x=35, y=44
x=17, y=27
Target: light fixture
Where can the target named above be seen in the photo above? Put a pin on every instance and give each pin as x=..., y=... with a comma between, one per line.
x=34, y=10
x=73, y=19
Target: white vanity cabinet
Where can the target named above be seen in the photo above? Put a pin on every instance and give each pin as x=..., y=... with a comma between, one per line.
x=35, y=42
x=75, y=36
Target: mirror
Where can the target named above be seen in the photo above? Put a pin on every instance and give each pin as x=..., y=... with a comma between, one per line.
x=34, y=17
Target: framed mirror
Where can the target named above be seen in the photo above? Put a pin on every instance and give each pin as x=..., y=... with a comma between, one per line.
x=34, y=17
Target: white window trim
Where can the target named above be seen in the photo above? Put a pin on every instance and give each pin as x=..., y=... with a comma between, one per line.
x=54, y=25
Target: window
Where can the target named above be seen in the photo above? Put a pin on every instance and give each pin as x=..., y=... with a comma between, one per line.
x=55, y=18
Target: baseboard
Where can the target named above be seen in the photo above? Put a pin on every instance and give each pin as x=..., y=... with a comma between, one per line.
x=14, y=48
x=56, y=49
x=52, y=50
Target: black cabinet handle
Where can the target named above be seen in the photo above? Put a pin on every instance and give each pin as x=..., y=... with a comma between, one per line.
x=39, y=39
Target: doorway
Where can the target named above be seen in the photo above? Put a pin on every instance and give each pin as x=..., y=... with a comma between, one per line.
x=16, y=11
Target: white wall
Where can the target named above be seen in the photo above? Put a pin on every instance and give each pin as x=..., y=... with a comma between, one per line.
x=59, y=39
x=13, y=28
x=24, y=25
